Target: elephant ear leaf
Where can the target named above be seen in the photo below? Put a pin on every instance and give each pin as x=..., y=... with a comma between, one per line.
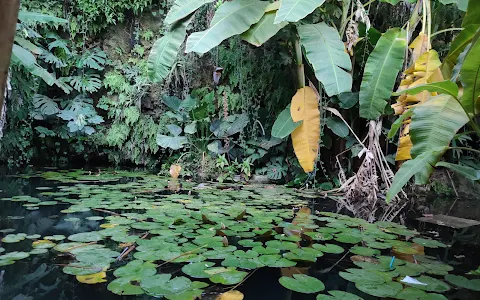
x=231, y=18
x=326, y=53
x=380, y=73
x=295, y=10
x=164, y=52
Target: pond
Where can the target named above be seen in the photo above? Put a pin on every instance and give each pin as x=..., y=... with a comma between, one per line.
x=133, y=235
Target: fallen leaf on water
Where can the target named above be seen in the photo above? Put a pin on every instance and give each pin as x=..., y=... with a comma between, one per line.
x=93, y=278
x=231, y=295
x=175, y=170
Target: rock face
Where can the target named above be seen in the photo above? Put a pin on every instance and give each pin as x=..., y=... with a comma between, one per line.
x=117, y=41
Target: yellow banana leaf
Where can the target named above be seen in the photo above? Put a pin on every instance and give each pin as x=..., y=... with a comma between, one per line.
x=306, y=137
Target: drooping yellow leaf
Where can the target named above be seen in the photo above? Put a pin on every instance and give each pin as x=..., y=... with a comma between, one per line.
x=175, y=170
x=404, y=147
x=231, y=295
x=93, y=278
x=419, y=45
x=424, y=69
x=306, y=137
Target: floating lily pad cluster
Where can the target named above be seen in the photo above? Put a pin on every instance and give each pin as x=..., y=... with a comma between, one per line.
x=217, y=236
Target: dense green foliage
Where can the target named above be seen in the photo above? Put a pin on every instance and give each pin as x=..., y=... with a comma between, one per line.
x=108, y=84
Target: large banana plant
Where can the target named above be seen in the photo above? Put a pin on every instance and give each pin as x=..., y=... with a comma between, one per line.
x=436, y=121
x=256, y=22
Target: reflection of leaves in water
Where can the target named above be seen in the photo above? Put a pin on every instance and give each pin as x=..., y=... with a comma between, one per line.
x=27, y=284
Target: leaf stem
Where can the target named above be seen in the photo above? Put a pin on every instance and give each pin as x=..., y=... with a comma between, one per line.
x=464, y=148
x=446, y=30
x=300, y=66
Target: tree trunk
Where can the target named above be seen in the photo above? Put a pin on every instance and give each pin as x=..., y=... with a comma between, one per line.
x=8, y=23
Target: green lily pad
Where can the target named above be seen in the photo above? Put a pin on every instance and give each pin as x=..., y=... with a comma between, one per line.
x=348, y=238
x=320, y=235
x=365, y=276
x=249, y=243
x=276, y=261
x=229, y=277
x=302, y=284
x=6, y=262
x=364, y=251
x=72, y=219
x=303, y=254
x=197, y=270
x=438, y=268
x=16, y=255
x=242, y=262
x=433, y=284
x=281, y=245
x=329, y=248
x=86, y=237
x=43, y=244
x=338, y=295
x=265, y=250
x=14, y=238
x=123, y=286
x=379, y=245
x=384, y=290
x=429, y=243
x=2, y=249
x=136, y=270
x=460, y=281
x=94, y=218
x=411, y=293
x=80, y=269
x=157, y=285
x=33, y=236
x=411, y=269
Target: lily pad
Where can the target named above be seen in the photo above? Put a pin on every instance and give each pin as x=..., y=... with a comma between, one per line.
x=303, y=254
x=329, y=248
x=460, y=281
x=365, y=276
x=136, y=270
x=85, y=237
x=33, y=236
x=57, y=237
x=348, y=238
x=433, y=284
x=276, y=261
x=14, y=238
x=429, y=243
x=2, y=249
x=265, y=250
x=197, y=270
x=123, y=286
x=16, y=255
x=79, y=268
x=302, y=284
x=249, y=243
x=364, y=251
x=384, y=290
x=43, y=244
x=411, y=293
x=338, y=295
x=229, y=277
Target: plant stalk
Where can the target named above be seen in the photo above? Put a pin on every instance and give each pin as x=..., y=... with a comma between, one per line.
x=300, y=66
x=465, y=148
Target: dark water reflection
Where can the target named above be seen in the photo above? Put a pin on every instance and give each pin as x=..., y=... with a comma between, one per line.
x=40, y=277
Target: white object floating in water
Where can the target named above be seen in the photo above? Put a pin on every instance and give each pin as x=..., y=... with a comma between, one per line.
x=411, y=280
